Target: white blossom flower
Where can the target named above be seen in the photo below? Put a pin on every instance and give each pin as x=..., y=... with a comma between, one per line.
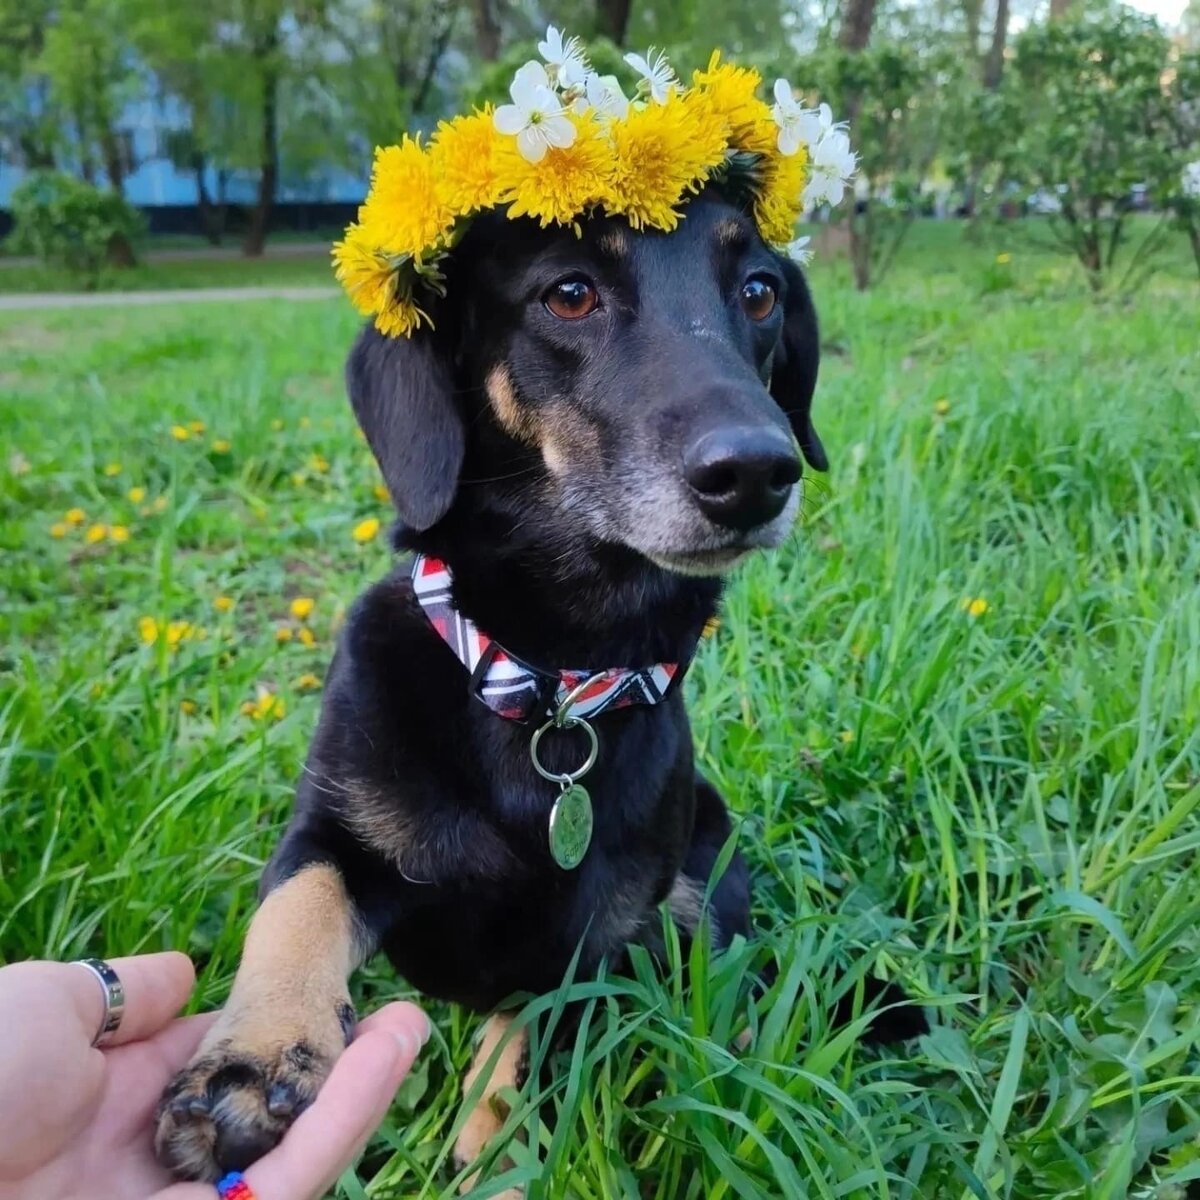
x=536, y=116
x=799, y=252
x=831, y=165
x=799, y=126
x=603, y=94
x=566, y=61
x=657, y=75
x=1191, y=180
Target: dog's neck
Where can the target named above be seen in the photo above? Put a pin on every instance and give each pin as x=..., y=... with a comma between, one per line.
x=559, y=604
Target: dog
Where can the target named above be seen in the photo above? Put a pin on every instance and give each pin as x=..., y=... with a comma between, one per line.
x=600, y=424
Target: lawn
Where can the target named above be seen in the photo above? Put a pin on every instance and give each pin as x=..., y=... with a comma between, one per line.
x=959, y=715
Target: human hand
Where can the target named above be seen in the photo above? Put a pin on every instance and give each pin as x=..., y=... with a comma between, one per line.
x=78, y=1121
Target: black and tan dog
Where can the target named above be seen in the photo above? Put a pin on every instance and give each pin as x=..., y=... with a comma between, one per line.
x=598, y=428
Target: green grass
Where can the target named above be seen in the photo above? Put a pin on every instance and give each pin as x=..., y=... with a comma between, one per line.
x=998, y=810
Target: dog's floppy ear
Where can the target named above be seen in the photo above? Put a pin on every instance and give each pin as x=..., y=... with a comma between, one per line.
x=794, y=371
x=402, y=393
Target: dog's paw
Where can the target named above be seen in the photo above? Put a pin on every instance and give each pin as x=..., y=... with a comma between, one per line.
x=230, y=1106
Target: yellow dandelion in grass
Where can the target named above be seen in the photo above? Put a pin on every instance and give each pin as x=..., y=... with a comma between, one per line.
x=113, y=468
x=318, y=463
x=781, y=187
x=299, y=479
x=58, y=530
x=136, y=495
x=283, y=633
x=265, y=704
x=846, y=736
x=119, y=533
x=197, y=427
x=364, y=531
x=188, y=707
x=277, y=424
x=306, y=636
x=941, y=407
x=74, y=516
x=381, y=493
x=180, y=433
x=148, y=630
x=565, y=183
x=464, y=166
x=1004, y=259
x=308, y=682
x=731, y=94
x=95, y=534
x=223, y=604
x=662, y=152
x=975, y=606
x=302, y=607
x=179, y=631
x=221, y=446
x=404, y=213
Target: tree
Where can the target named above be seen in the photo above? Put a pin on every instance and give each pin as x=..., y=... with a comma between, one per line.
x=1094, y=119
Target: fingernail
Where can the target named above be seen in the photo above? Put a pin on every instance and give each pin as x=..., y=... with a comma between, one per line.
x=406, y=1044
x=426, y=1029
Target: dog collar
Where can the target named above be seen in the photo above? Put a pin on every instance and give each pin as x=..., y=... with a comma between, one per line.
x=517, y=690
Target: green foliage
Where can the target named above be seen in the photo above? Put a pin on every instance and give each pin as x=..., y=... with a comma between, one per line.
x=72, y=224
x=1000, y=811
x=1087, y=119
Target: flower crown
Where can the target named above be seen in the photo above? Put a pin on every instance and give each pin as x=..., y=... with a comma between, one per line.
x=570, y=143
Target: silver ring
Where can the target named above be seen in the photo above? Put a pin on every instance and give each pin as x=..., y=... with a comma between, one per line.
x=566, y=777
x=114, y=996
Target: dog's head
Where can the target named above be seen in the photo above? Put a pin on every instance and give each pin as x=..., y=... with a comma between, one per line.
x=650, y=390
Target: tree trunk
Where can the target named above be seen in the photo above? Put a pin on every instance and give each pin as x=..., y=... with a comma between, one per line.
x=212, y=218
x=439, y=40
x=1192, y=225
x=860, y=244
x=612, y=18
x=114, y=165
x=858, y=17
x=487, y=30
x=1060, y=8
x=993, y=66
x=268, y=178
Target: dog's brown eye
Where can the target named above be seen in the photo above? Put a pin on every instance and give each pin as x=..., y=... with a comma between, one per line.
x=571, y=299
x=758, y=299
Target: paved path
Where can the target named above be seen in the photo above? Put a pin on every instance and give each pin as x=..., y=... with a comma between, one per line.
x=18, y=302
x=203, y=254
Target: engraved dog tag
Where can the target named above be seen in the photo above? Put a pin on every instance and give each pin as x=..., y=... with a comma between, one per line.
x=571, y=826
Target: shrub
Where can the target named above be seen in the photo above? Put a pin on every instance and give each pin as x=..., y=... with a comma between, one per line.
x=69, y=223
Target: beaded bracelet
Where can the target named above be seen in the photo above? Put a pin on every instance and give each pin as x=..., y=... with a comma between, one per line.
x=234, y=1187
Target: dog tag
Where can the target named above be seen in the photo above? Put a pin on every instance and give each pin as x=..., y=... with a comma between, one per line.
x=571, y=826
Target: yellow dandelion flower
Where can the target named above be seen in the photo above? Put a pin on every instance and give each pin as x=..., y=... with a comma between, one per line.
x=975, y=606
x=731, y=94
x=95, y=533
x=75, y=516
x=265, y=704
x=308, y=682
x=941, y=407
x=381, y=493
x=847, y=736
x=302, y=607
x=299, y=479
x=662, y=151
x=779, y=205
x=565, y=183
x=283, y=633
x=136, y=495
x=187, y=707
x=463, y=153
x=180, y=433
x=178, y=631
x=119, y=533
x=364, y=531
x=148, y=630
x=318, y=463
x=221, y=446
x=306, y=636
x=58, y=530
x=369, y=277
x=404, y=213
x=1004, y=259
x=277, y=424
x=197, y=427
x=113, y=468
x=223, y=604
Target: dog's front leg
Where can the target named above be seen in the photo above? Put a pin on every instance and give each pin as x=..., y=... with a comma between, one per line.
x=288, y=1018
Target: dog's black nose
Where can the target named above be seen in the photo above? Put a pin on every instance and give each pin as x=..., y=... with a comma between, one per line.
x=741, y=476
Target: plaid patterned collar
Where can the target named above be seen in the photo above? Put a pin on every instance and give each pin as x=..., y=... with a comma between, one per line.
x=514, y=689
